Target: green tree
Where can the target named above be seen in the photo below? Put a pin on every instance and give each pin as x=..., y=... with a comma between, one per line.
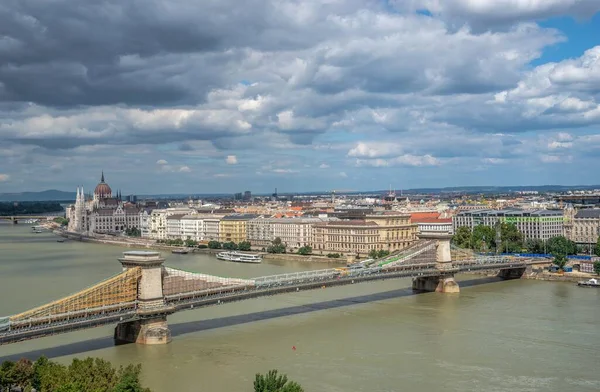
x=87, y=375
x=382, y=253
x=230, y=245
x=373, y=254
x=560, y=260
x=92, y=374
x=333, y=255
x=214, y=245
x=597, y=248
x=597, y=267
x=244, y=246
x=276, y=247
x=272, y=382
x=305, y=250
x=534, y=245
x=7, y=380
x=129, y=380
x=190, y=243
x=483, y=238
x=462, y=237
x=561, y=245
x=511, y=237
x=22, y=373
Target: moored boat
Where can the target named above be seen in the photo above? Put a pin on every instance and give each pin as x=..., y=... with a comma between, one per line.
x=239, y=257
x=589, y=283
x=181, y=251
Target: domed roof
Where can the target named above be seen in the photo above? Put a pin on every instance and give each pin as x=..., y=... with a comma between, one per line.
x=102, y=189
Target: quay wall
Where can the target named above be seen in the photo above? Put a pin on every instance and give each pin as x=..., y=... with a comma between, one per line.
x=542, y=275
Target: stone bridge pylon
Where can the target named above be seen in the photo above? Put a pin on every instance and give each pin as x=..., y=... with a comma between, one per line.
x=152, y=311
x=443, y=283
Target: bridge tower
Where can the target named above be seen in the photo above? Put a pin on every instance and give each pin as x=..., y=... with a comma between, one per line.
x=444, y=282
x=151, y=324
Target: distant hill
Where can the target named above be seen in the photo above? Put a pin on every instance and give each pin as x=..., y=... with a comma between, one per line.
x=49, y=195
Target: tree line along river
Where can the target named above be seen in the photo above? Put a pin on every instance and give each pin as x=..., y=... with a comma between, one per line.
x=379, y=336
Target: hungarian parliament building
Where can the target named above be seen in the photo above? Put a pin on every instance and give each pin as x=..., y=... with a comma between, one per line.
x=102, y=212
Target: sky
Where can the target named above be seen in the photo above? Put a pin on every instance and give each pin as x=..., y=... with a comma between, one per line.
x=220, y=96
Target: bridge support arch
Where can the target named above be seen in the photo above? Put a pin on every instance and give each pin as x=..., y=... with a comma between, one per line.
x=444, y=282
x=151, y=326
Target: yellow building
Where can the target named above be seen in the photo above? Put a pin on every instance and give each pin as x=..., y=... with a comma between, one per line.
x=233, y=228
x=389, y=231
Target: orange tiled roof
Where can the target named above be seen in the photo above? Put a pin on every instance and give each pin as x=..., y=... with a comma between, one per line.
x=414, y=216
x=432, y=220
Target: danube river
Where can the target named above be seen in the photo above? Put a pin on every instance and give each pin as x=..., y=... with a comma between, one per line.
x=493, y=336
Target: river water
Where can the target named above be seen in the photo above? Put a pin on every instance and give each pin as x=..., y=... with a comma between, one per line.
x=493, y=336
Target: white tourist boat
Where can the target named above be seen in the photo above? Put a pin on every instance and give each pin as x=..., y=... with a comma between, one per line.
x=239, y=257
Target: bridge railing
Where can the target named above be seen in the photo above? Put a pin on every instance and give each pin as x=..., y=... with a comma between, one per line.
x=297, y=276
x=410, y=256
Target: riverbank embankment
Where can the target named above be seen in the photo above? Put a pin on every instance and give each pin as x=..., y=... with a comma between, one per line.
x=544, y=275
x=129, y=242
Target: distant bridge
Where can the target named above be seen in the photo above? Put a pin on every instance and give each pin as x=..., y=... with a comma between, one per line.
x=140, y=298
x=17, y=218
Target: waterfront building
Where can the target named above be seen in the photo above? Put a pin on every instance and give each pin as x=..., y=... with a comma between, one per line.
x=104, y=212
x=585, y=226
x=260, y=231
x=385, y=230
x=157, y=224
x=432, y=221
x=293, y=232
x=534, y=224
x=233, y=228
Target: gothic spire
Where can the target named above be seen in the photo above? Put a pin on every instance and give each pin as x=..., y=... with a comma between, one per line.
x=102, y=178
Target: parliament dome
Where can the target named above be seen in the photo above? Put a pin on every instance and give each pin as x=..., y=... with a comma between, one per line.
x=102, y=189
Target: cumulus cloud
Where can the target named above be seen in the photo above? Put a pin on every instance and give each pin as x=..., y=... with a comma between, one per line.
x=348, y=84
x=483, y=13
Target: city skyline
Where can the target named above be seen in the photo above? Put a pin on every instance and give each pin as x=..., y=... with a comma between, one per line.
x=299, y=96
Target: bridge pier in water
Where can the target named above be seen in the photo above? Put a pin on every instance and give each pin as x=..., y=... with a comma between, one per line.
x=151, y=326
x=444, y=282
x=511, y=273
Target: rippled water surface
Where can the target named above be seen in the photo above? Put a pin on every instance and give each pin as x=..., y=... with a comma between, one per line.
x=493, y=336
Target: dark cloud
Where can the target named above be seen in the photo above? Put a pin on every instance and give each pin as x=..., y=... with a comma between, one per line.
x=130, y=82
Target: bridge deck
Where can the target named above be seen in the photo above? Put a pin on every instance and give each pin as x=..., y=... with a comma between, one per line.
x=194, y=292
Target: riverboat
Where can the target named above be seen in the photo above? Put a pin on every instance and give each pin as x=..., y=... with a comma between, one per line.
x=181, y=251
x=239, y=257
x=589, y=283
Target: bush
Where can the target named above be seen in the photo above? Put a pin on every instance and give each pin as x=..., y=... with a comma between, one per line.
x=214, y=244
x=244, y=245
x=230, y=245
x=305, y=250
x=202, y=246
x=333, y=255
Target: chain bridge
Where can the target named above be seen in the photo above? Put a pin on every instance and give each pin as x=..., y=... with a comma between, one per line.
x=140, y=298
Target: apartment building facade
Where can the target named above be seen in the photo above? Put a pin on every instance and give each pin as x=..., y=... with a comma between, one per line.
x=233, y=228
x=534, y=224
x=384, y=230
x=586, y=226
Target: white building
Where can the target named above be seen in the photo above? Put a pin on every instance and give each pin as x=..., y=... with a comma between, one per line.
x=534, y=224
x=157, y=223
x=293, y=232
